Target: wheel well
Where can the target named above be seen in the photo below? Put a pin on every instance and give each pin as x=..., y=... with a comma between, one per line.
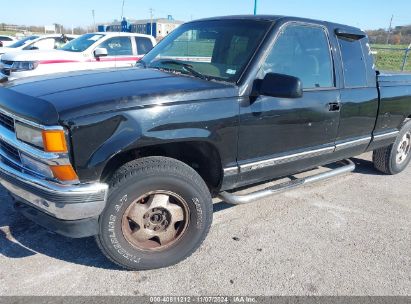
x=201, y=156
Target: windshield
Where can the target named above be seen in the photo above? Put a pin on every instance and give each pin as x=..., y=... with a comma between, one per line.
x=23, y=41
x=81, y=43
x=217, y=49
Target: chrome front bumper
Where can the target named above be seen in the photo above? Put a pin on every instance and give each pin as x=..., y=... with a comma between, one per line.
x=64, y=202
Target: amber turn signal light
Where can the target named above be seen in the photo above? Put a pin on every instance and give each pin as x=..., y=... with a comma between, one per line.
x=64, y=173
x=54, y=141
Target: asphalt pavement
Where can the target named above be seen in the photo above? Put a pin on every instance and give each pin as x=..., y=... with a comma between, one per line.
x=350, y=235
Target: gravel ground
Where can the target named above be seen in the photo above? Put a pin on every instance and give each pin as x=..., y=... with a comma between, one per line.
x=350, y=235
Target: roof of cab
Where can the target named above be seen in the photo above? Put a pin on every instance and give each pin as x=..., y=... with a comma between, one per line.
x=274, y=18
x=121, y=34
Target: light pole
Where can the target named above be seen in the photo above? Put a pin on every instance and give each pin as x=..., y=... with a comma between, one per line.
x=94, y=19
x=151, y=21
x=122, y=10
x=255, y=7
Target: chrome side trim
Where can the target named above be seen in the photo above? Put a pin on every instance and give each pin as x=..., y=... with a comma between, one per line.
x=66, y=202
x=386, y=135
x=286, y=159
x=248, y=198
x=308, y=154
x=230, y=171
x=353, y=143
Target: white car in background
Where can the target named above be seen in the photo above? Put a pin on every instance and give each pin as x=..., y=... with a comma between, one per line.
x=38, y=42
x=90, y=51
x=7, y=40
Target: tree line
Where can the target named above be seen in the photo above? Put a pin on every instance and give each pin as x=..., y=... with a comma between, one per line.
x=398, y=35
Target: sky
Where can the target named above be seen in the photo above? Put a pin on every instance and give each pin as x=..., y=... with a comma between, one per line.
x=366, y=14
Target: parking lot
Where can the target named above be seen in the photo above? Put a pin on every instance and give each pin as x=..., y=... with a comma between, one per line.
x=350, y=235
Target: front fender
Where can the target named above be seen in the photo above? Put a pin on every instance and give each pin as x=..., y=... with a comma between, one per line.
x=98, y=139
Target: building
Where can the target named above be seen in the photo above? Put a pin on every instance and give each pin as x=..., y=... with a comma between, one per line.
x=159, y=28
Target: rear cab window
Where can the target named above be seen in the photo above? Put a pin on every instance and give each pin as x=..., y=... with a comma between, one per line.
x=353, y=62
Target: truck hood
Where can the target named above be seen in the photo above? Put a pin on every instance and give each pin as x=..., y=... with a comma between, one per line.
x=42, y=55
x=77, y=94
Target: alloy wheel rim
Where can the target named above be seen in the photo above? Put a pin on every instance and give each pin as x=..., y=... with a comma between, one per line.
x=155, y=221
x=404, y=148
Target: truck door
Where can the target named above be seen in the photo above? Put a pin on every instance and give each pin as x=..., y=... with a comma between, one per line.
x=359, y=95
x=126, y=56
x=119, y=53
x=279, y=136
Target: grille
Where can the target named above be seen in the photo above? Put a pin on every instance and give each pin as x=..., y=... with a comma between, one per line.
x=7, y=122
x=10, y=151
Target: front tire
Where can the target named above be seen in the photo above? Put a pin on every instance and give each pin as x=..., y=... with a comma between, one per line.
x=158, y=212
x=396, y=157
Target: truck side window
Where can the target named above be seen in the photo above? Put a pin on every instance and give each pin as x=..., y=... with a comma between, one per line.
x=118, y=46
x=144, y=45
x=302, y=51
x=355, y=74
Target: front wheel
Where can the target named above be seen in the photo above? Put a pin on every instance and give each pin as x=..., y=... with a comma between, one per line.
x=158, y=213
x=396, y=157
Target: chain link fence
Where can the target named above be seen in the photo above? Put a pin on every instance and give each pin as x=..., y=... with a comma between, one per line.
x=388, y=58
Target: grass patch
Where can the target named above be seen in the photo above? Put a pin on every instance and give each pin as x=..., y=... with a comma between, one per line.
x=391, y=57
x=8, y=33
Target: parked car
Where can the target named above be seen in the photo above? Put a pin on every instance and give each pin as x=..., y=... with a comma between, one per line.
x=90, y=51
x=38, y=42
x=134, y=156
x=6, y=40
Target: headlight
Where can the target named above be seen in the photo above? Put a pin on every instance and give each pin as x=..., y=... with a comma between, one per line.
x=24, y=66
x=29, y=135
x=47, y=140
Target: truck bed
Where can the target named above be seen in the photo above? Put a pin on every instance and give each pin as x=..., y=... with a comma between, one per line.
x=388, y=79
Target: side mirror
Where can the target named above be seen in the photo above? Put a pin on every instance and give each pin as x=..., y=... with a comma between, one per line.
x=280, y=85
x=100, y=52
x=33, y=48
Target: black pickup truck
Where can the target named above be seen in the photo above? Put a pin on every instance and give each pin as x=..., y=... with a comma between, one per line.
x=135, y=156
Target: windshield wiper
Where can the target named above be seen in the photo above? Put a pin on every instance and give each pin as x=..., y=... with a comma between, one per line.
x=186, y=67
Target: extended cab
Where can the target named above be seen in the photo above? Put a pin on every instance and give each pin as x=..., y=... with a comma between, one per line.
x=135, y=156
x=90, y=51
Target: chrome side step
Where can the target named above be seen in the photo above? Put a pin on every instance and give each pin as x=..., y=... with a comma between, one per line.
x=251, y=197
